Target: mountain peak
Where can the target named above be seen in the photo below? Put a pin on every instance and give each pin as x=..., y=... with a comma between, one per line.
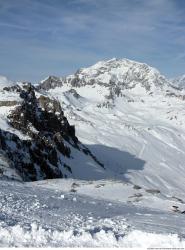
x=50, y=82
x=122, y=72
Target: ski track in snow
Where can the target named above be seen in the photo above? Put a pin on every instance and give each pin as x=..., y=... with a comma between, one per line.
x=142, y=149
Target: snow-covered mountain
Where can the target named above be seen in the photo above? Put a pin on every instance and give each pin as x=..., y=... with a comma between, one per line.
x=117, y=131
x=115, y=72
x=132, y=119
x=179, y=81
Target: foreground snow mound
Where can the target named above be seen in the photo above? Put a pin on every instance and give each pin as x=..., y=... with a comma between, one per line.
x=37, y=236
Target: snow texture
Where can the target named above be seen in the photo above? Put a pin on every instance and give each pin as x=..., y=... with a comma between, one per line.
x=37, y=216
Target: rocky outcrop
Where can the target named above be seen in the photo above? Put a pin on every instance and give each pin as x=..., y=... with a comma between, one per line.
x=33, y=160
x=42, y=154
x=13, y=88
x=40, y=116
x=50, y=83
x=73, y=92
x=39, y=157
x=8, y=103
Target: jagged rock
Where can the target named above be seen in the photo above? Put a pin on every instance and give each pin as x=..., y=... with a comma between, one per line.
x=50, y=105
x=33, y=159
x=13, y=88
x=43, y=121
x=50, y=83
x=43, y=154
x=40, y=116
x=74, y=93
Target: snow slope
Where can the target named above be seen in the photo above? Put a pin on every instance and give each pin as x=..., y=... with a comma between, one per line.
x=33, y=215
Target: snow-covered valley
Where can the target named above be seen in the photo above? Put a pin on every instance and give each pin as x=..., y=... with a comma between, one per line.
x=123, y=163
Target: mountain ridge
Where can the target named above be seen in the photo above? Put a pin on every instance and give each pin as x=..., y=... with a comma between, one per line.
x=120, y=72
x=179, y=81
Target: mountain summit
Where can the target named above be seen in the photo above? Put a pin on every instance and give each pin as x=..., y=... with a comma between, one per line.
x=115, y=72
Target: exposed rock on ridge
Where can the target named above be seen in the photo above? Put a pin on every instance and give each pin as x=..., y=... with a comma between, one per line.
x=51, y=136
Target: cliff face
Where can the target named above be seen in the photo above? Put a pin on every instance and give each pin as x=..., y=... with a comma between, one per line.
x=50, y=138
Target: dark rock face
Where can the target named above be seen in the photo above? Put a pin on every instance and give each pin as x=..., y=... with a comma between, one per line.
x=74, y=93
x=33, y=160
x=14, y=88
x=41, y=117
x=43, y=121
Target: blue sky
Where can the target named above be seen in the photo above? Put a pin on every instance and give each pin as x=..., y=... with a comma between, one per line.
x=56, y=37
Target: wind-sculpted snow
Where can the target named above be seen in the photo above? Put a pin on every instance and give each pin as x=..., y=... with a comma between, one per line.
x=37, y=236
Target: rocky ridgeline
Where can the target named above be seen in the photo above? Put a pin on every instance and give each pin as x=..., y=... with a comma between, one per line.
x=114, y=74
x=117, y=75
x=42, y=156
x=50, y=83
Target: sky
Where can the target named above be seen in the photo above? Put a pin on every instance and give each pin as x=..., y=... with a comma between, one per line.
x=56, y=37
